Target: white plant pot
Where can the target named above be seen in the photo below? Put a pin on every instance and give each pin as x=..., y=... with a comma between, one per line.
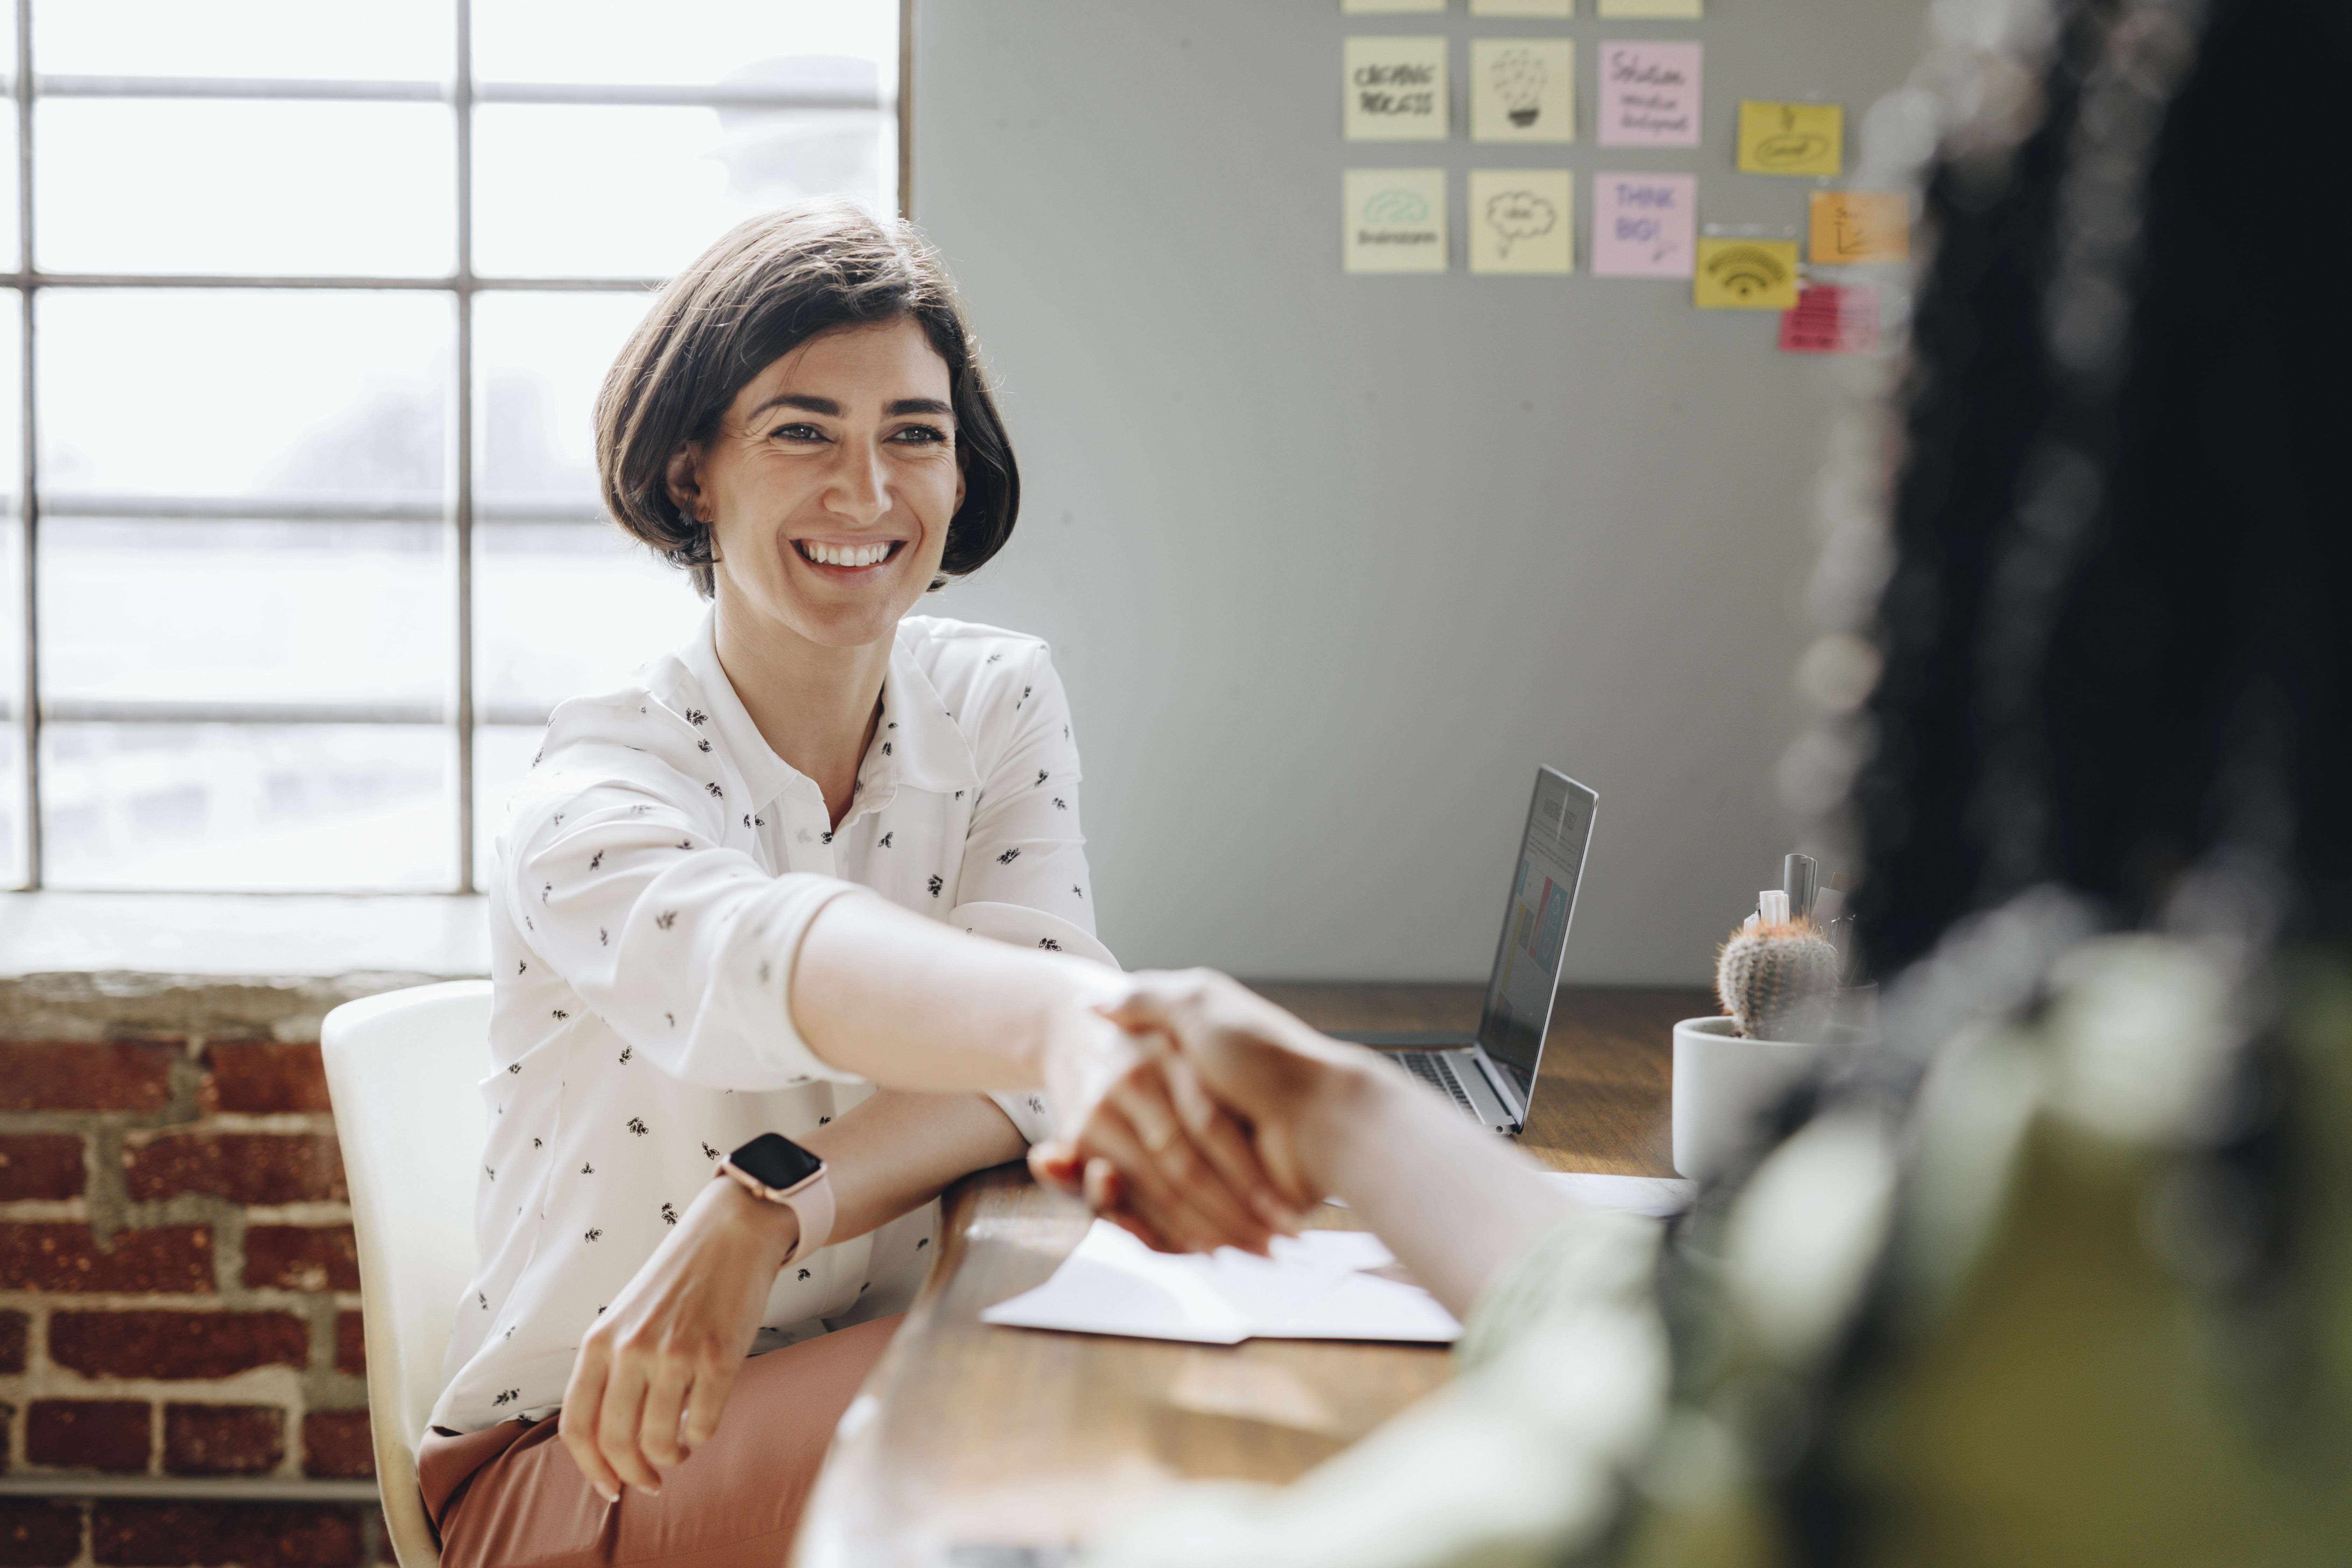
x=1722, y=1080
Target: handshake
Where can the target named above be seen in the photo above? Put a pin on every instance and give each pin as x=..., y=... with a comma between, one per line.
x=1204, y=1116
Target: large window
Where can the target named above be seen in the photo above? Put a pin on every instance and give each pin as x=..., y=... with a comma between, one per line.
x=310, y=303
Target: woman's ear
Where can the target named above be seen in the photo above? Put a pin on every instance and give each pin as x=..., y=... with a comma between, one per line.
x=683, y=479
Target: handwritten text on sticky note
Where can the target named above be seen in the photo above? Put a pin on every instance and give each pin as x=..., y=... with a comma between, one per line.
x=1790, y=138
x=1746, y=275
x=1643, y=226
x=1395, y=90
x=1855, y=227
x=1393, y=221
x=1649, y=95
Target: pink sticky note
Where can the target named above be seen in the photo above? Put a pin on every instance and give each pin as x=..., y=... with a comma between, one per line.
x=1649, y=95
x=1644, y=225
x=1831, y=320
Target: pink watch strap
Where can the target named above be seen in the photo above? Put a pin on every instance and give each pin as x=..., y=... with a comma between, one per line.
x=812, y=1201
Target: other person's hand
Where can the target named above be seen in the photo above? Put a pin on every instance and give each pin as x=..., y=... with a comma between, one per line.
x=667, y=1351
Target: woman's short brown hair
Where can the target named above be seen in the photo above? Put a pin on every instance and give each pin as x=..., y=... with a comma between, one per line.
x=771, y=283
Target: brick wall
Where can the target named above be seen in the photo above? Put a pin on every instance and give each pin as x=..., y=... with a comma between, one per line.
x=179, y=1297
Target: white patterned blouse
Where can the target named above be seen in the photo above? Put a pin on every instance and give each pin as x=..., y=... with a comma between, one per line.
x=657, y=871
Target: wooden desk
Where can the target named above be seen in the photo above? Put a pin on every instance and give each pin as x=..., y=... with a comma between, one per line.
x=978, y=1434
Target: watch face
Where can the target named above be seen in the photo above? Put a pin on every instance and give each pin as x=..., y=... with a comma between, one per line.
x=774, y=1160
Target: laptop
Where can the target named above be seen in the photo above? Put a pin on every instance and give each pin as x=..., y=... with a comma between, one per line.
x=1491, y=1075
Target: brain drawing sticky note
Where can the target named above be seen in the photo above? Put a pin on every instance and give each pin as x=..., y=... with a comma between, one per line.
x=1649, y=94
x=1855, y=227
x=1643, y=226
x=1522, y=220
x=1745, y=274
x=1396, y=89
x=1523, y=90
x=1790, y=138
x=1394, y=220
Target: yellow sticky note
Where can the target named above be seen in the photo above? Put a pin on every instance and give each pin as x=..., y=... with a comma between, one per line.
x=1790, y=138
x=1851, y=228
x=1746, y=275
x=1522, y=220
x=1395, y=90
x=1666, y=10
x=1393, y=220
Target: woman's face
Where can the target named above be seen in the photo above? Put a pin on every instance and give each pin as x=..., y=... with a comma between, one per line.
x=829, y=485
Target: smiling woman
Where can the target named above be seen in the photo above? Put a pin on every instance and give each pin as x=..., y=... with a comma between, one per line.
x=803, y=424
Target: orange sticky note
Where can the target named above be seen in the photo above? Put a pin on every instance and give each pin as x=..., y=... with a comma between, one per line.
x=1849, y=227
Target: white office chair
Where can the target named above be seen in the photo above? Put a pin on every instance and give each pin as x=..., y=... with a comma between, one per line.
x=403, y=1069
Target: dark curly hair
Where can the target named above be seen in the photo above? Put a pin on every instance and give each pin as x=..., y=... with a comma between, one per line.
x=771, y=283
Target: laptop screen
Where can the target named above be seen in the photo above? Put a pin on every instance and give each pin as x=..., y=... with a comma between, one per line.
x=1534, y=926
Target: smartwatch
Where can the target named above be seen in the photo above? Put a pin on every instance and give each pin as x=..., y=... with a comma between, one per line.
x=772, y=1167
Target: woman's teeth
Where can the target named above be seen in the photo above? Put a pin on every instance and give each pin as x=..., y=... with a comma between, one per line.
x=844, y=555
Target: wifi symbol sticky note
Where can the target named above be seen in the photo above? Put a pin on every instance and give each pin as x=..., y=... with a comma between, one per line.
x=1746, y=275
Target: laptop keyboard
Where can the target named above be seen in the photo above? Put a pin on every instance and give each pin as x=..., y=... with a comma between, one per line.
x=1436, y=1068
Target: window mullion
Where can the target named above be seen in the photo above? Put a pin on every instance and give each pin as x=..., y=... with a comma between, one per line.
x=27, y=472
x=461, y=100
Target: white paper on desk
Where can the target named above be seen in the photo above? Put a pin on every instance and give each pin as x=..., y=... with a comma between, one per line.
x=1659, y=1196
x=1316, y=1287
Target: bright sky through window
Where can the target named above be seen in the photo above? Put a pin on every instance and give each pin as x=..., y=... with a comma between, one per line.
x=260, y=323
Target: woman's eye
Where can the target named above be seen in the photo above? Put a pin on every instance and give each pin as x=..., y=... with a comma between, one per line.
x=797, y=432
x=921, y=436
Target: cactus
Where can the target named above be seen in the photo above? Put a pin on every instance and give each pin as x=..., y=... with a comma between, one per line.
x=1778, y=981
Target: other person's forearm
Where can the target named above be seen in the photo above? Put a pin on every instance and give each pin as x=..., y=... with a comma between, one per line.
x=1452, y=1200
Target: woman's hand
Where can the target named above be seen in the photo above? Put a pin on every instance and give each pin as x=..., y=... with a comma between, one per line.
x=670, y=1345
x=1190, y=1180
x=1212, y=1060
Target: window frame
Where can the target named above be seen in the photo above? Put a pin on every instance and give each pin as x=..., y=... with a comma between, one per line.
x=458, y=510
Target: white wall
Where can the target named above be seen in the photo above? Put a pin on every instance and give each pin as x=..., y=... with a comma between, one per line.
x=1330, y=564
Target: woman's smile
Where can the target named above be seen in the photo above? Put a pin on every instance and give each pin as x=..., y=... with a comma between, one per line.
x=848, y=560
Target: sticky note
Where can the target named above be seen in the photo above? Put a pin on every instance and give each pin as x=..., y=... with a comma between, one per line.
x=1522, y=220
x=1790, y=138
x=1745, y=274
x=1394, y=220
x=1522, y=89
x=1649, y=94
x=1832, y=320
x=1670, y=10
x=1854, y=227
x=1644, y=225
x=1396, y=89
x=1556, y=10
x=1389, y=7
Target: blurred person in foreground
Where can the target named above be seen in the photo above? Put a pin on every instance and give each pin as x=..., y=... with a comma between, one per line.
x=2062, y=1273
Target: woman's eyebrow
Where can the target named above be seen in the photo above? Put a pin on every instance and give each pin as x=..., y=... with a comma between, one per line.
x=796, y=400
x=920, y=405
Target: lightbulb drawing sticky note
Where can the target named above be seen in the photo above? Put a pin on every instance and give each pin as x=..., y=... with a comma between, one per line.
x=1389, y=7
x=1522, y=220
x=1854, y=227
x=1522, y=89
x=1644, y=225
x=1830, y=320
x=1666, y=10
x=1394, y=220
x=1553, y=10
x=1790, y=138
x=1396, y=89
x=1649, y=94
x=1746, y=275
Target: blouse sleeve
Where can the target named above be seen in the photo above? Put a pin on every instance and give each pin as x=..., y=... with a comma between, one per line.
x=1024, y=845
x=683, y=946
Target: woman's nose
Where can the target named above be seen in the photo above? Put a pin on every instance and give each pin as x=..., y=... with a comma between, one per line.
x=860, y=487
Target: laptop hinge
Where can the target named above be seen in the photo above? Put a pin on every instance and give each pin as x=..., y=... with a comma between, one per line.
x=1504, y=1091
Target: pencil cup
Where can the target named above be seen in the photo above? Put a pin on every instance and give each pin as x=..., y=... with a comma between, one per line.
x=1721, y=1081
